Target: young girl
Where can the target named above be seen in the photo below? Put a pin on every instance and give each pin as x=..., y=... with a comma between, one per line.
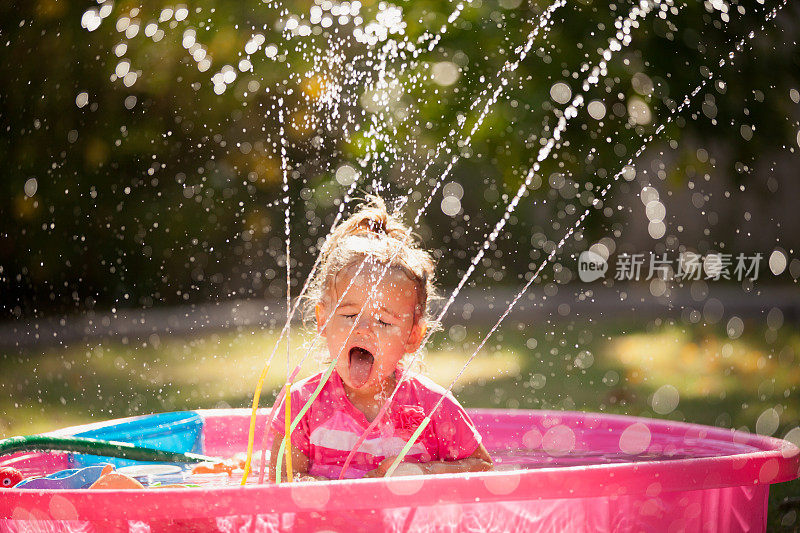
x=370, y=362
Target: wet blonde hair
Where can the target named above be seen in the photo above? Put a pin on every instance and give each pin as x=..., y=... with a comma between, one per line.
x=373, y=234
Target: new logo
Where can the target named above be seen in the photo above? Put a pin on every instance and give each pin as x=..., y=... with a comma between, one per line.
x=591, y=266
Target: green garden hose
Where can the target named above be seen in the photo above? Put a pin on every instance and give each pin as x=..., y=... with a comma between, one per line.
x=104, y=448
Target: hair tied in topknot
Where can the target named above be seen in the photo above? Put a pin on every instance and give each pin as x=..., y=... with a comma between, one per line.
x=376, y=225
x=372, y=219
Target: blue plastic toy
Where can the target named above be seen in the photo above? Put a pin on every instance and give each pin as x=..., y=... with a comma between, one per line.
x=74, y=478
x=174, y=432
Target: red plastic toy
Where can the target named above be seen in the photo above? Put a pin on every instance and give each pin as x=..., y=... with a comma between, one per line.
x=9, y=477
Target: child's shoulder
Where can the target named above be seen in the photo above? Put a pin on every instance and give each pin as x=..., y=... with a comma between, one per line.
x=306, y=386
x=427, y=388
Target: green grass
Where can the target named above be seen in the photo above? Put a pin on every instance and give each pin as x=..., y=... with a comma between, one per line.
x=609, y=367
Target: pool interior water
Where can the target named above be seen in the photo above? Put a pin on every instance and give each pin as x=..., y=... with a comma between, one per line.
x=504, y=460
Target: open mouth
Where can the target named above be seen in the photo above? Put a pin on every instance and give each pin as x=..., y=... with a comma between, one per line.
x=361, y=361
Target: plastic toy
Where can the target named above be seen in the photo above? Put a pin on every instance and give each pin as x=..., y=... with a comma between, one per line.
x=9, y=477
x=218, y=467
x=116, y=481
x=74, y=478
x=98, y=447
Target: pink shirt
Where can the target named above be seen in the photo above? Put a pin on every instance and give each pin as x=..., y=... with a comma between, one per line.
x=330, y=428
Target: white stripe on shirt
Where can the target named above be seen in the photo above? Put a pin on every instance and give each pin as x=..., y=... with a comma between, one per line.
x=336, y=439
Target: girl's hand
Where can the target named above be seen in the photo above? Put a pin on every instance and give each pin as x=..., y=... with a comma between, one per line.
x=307, y=477
x=382, y=468
x=479, y=461
x=403, y=469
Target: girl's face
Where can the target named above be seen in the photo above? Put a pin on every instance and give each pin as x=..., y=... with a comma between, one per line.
x=387, y=330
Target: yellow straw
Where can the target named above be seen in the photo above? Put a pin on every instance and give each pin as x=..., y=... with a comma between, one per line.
x=251, y=437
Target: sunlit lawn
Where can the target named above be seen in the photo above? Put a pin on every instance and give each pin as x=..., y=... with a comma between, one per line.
x=611, y=367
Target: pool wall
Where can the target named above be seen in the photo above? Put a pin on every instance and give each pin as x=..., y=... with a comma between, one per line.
x=575, y=480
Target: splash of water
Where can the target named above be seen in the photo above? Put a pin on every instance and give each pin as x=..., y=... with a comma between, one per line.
x=624, y=37
x=508, y=68
x=333, y=100
x=544, y=23
x=673, y=113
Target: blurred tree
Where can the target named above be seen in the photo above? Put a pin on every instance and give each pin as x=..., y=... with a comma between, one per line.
x=143, y=162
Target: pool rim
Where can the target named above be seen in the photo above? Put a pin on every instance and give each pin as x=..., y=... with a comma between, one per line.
x=775, y=461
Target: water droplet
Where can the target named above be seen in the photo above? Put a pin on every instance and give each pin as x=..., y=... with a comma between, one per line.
x=505, y=483
x=559, y=440
x=655, y=211
x=642, y=84
x=346, y=175
x=453, y=189
x=314, y=496
x=768, y=421
x=584, y=360
x=648, y=194
x=597, y=110
x=82, y=99
x=31, y=186
x=611, y=378
x=451, y=206
x=560, y=92
x=445, y=73
x=777, y=262
x=793, y=436
x=91, y=20
x=656, y=229
x=635, y=439
x=775, y=318
x=532, y=439
x=713, y=310
x=537, y=381
x=665, y=399
x=628, y=172
x=457, y=333
x=404, y=486
x=639, y=111
x=735, y=327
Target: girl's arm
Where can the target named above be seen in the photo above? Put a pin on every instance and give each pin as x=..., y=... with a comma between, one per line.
x=479, y=461
x=300, y=463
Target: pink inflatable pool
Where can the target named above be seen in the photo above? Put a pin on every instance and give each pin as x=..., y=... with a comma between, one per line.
x=556, y=471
